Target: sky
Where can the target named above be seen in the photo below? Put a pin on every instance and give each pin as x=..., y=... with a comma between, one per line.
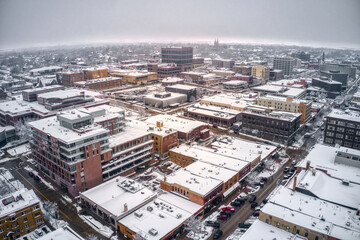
x=36, y=23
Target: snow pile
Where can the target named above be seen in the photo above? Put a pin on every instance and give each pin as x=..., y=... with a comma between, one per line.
x=22, y=149
x=6, y=159
x=97, y=226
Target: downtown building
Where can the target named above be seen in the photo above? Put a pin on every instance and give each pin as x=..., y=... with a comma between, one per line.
x=343, y=128
x=81, y=148
x=181, y=56
x=285, y=64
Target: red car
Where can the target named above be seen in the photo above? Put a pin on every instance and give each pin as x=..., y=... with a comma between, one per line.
x=222, y=217
x=231, y=209
x=256, y=214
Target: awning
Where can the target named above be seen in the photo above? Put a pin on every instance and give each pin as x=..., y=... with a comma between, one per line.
x=230, y=190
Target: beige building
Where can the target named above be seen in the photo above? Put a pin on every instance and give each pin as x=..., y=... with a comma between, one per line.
x=288, y=104
x=134, y=77
x=261, y=71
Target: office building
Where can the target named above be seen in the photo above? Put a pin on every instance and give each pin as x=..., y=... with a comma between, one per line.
x=30, y=95
x=285, y=64
x=261, y=71
x=181, y=56
x=136, y=77
x=165, y=70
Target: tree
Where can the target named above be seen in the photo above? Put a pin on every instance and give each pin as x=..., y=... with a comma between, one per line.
x=193, y=224
x=141, y=112
x=92, y=237
x=23, y=130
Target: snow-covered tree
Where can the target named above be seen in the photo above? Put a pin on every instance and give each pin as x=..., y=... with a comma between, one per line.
x=193, y=224
x=23, y=130
x=92, y=237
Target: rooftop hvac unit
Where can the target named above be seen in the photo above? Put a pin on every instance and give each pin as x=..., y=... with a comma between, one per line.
x=178, y=215
x=153, y=232
x=138, y=214
x=149, y=208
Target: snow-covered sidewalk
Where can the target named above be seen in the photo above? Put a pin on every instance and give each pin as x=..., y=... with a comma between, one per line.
x=97, y=226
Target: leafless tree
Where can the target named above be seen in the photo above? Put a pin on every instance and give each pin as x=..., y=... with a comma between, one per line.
x=92, y=237
x=193, y=224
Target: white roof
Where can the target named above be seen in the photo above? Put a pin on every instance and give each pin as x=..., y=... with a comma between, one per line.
x=233, y=100
x=178, y=123
x=46, y=68
x=211, y=156
x=111, y=197
x=183, y=87
x=165, y=213
x=62, y=94
x=128, y=133
x=282, y=99
x=172, y=80
x=172, y=96
x=236, y=147
x=345, y=115
x=52, y=127
x=294, y=92
x=323, y=157
x=62, y=233
x=195, y=183
x=313, y=213
x=150, y=128
x=24, y=198
x=211, y=110
x=235, y=83
x=324, y=187
x=268, y=88
x=262, y=231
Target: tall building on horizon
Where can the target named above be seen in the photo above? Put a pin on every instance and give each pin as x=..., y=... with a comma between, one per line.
x=284, y=63
x=182, y=56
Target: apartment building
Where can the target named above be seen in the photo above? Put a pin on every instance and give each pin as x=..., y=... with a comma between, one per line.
x=20, y=213
x=99, y=84
x=285, y=64
x=288, y=104
x=73, y=147
x=343, y=128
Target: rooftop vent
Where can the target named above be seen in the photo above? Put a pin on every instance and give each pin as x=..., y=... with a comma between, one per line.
x=153, y=232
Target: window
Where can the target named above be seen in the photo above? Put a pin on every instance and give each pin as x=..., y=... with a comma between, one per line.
x=36, y=207
x=37, y=215
x=306, y=234
x=38, y=221
x=25, y=220
x=1, y=230
x=23, y=213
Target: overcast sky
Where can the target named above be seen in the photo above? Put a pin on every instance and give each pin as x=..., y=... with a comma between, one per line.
x=27, y=23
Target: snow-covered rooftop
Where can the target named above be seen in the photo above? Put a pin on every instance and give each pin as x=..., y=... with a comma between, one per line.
x=233, y=100
x=196, y=183
x=62, y=233
x=114, y=194
x=220, y=112
x=128, y=134
x=178, y=123
x=262, y=231
x=160, y=216
x=183, y=87
x=323, y=157
x=150, y=128
x=172, y=80
x=313, y=213
x=236, y=147
x=345, y=115
x=18, y=200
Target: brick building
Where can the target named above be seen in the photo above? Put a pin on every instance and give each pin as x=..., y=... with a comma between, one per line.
x=165, y=70
x=94, y=73
x=99, y=84
x=69, y=78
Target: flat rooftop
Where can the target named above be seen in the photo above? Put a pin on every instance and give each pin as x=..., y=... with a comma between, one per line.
x=162, y=215
x=233, y=100
x=115, y=193
x=218, y=112
x=262, y=231
x=128, y=134
x=345, y=115
x=62, y=233
x=323, y=157
x=178, y=123
x=150, y=128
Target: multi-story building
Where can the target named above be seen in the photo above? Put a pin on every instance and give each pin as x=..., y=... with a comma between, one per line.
x=234, y=102
x=343, y=128
x=169, y=81
x=164, y=138
x=94, y=73
x=30, y=95
x=337, y=76
x=261, y=71
x=285, y=64
x=198, y=61
x=15, y=85
x=45, y=70
x=165, y=70
x=191, y=92
x=327, y=84
x=181, y=56
x=276, y=74
x=343, y=68
x=302, y=56
x=219, y=116
x=247, y=78
x=69, y=78
x=188, y=129
x=73, y=147
x=63, y=98
x=271, y=125
x=135, y=77
x=287, y=104
x=165, y=99
x=223, y=63
x=242, y=69
x=20, y=213
x=99, y=84
x=235, y=85
x=201, y=78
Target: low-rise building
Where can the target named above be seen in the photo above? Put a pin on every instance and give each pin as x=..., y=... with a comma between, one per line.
x=327, y=84
x=99, y=84
x=343, y=128
x=335, y=75
x=188, y=129
x=282, y=91
x=223, y=63
x=45, y=70
x=165, y=99
x=94, y=73
x=30, y=95
x=164, y=70
x=64, y=232
x=134, y=76
x=116, y=199
x=161, y=218
x=234, y=102
x=272, y=125
x=191, y=92
x=287, y=104
x=69, y=78
x=169, y=81
x=235, y=85
x=20, y=213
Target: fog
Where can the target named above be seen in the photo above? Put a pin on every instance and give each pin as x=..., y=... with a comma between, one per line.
x=329, y=23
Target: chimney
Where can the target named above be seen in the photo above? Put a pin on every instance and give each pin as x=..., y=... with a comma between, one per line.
x=358, y=211
x=307, y=165
x=294, y=185
x=125, y=207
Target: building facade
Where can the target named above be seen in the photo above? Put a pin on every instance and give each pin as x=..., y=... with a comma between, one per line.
x=93, y=73
x=69, y=78
x=181, y=56
x=165, y=70
x=285, y=64
x=99, y=84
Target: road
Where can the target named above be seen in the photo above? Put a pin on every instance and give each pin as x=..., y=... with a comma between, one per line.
x=67, y=211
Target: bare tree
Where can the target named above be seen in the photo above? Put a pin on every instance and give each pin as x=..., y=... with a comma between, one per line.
x=23, y=130
x=141, y=112
x=92, y=237
x=193, y=224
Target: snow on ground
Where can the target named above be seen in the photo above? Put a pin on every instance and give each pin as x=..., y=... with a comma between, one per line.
x=21, y=149
x=30, y=169
x=32, y=161
x=97, y=226
x=205, y=231
x=6, y=159
x=66, y=197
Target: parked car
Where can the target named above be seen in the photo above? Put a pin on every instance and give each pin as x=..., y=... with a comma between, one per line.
x=213, y=224
x=218, y=234
x=254, y=204
x=264, y=179
x=230, y=209
x=222, y=217
x=287, y=176
x=252, y=198
x=293, y=162
x=286, y=169
x=227, y=213
x=36, y=178
x=31, y=174
x=244, y=225
x=243, y=196
x=256, y=214
x=257, y=208
x=236, y=203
